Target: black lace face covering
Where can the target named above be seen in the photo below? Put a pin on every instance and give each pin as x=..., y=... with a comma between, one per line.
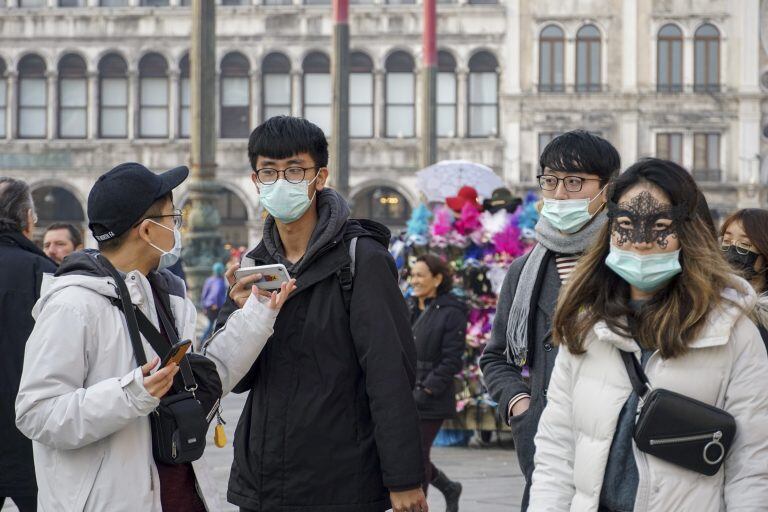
x=636, y=221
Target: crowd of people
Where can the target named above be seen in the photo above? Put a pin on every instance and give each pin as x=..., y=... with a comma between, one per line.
x=630, y=300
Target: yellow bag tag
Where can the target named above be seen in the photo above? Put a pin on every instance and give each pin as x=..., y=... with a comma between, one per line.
x=219, y=436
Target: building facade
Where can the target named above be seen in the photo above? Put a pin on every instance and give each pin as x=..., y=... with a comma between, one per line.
x=86, y=84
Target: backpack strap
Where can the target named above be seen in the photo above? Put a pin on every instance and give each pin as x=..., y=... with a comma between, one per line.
x=346, y=274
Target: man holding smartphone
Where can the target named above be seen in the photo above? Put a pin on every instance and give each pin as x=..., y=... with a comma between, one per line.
x=330, y=424
x=82, y=400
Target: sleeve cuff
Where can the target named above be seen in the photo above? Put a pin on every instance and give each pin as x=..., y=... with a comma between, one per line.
x=514, y=400
x=259, y=309
x=133, y=385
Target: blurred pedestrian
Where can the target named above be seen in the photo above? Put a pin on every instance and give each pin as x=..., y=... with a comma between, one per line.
x=61, y=240
x=654, y=292
x=21, y=275
x=744, y=242
x=575, y=170
x=214, y=296
x=439, y=322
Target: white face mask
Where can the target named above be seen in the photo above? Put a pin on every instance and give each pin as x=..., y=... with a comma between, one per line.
x=568, y=215
x=168, y=258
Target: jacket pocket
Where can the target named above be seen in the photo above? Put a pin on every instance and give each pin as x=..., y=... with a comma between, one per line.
x=523, y=432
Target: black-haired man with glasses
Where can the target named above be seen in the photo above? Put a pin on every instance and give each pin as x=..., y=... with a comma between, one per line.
x=575, y=169
x=330, y=424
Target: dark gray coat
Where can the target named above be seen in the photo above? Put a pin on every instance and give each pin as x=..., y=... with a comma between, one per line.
x=505, y=380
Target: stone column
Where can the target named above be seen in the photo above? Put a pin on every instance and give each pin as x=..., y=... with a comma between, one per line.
x=297, y=93
x=174, y=100
x=462, y=102
x=53, y=104
x=429, y=86
x=340, y=102
x=379, y=107
x=255, y=98
x=133, y=104
x=11, y=106
x=92, y=130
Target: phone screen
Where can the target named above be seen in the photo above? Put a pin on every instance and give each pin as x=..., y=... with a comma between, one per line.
x=177, y=353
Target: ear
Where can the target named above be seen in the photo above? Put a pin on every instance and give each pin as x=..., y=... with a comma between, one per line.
x=440, y=280
x=322, y=178
x=143, y=230
x=255, y=181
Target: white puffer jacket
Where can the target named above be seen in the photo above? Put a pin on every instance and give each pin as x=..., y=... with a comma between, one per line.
x=82, y=400
x=727, y=367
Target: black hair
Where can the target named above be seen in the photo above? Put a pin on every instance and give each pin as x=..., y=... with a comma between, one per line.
x=74, y=234
x=581, y=151
x=438, y=266
x=114, y=244
x=671, y=178
x=15, y=203
x=285, y=136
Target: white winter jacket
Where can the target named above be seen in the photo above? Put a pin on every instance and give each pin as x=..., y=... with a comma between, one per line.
x=82, y=400
x=727, y=367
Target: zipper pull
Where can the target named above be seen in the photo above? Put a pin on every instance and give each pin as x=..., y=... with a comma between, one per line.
x=219, y=436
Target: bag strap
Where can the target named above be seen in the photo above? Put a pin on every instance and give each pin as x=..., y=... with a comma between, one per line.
x=124, y=303
x=636, y=374
x=347, y=274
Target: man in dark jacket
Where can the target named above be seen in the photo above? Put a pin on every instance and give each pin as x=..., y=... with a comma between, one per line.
x=21, y=275
x=575, y=169
x=330, y=424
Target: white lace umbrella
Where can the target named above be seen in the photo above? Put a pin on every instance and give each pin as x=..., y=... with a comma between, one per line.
x=444, y=179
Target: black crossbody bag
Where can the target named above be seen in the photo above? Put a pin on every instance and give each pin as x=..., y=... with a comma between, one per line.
x=180, y=423
x=677, y=428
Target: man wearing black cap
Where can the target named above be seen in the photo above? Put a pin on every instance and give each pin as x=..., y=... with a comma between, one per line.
x=82, y=399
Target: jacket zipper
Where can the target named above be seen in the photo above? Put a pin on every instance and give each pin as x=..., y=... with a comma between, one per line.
x=716, y=436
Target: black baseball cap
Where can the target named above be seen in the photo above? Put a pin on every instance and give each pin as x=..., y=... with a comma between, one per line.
x=121, y=196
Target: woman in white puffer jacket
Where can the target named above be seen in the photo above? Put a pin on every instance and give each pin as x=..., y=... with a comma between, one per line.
x=656, y=285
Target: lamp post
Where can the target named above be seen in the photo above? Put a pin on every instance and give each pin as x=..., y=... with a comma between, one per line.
x=429, y=86
x=340, y=65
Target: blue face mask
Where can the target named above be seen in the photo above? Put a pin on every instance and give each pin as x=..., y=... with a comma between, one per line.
x=646, y=272
x=169, y=258
x=568, y=215
x=286, y=201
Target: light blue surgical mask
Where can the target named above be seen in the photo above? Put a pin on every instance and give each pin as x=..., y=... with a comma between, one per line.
x=168, y=258
x=568, y=215
x=646, y=272
x=286, y=201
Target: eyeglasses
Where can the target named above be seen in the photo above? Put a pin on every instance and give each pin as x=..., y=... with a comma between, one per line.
x=572, y=183
x=742, y=248
x=178, y=217
x=268, y=176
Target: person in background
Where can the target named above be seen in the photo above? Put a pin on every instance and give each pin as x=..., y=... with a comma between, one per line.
x=213, y=297
x=61, y=240
x=655, y=286
x=575, y=170
x=21, y=275
x=744, y=243
x=439, y=322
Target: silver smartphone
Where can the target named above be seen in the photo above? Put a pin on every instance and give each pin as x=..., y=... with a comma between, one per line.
x=272, y=276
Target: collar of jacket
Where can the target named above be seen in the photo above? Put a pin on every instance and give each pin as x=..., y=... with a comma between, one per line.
x=19, y=240
x=717, y=329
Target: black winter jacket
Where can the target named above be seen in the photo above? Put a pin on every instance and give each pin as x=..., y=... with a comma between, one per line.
x=330, y=423
x=22, y=266
x=440, y=333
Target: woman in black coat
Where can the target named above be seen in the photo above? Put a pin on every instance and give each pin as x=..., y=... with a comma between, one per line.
x=439, y=323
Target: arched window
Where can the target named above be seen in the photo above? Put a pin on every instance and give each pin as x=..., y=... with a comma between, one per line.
x=400, y=96
x=73, y=97
x=588, y=59
x=360, y=95
x=235, y=96
x=113, y=97
x=276, y=86
x=707, y=59
x=33, y=98
x=551, y=63
x=446, y=95
x=382, y=204
x=184, y=98
x=57, y=204
x=483, y=95
x=317, y=90
x=3, y=99
x=670, y=59
x=153, y=96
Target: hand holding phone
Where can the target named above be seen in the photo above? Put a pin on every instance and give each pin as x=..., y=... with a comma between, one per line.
x=272, y=276
x=176, y=353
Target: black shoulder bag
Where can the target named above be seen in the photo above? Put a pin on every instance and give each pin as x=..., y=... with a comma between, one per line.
x=677, y=428
x=179, y=423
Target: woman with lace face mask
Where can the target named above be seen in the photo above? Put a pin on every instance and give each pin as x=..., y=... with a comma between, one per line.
x=655, y=285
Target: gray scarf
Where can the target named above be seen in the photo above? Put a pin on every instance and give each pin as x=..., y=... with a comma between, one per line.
x=549, y=239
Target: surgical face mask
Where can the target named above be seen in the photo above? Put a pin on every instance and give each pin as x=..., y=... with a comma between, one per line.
x=169, y=258
x=568, y=215
x=286, y=201
x=744, y=263
x=646, y=272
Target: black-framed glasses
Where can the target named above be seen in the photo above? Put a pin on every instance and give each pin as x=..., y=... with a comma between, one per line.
x=741, y=247
x=268, y=176
x=549, y=182
x=178, y=218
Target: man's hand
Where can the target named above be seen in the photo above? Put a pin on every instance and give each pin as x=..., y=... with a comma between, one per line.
x=161, y=381
x=240, y=291
x=276, y=300
x=520, y=407
x=409, y=501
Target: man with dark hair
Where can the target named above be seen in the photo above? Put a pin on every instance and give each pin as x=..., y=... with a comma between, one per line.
x=575, y=170
x=21, y=275
x=61, y=240
x=330, y=423
x=83, y=398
